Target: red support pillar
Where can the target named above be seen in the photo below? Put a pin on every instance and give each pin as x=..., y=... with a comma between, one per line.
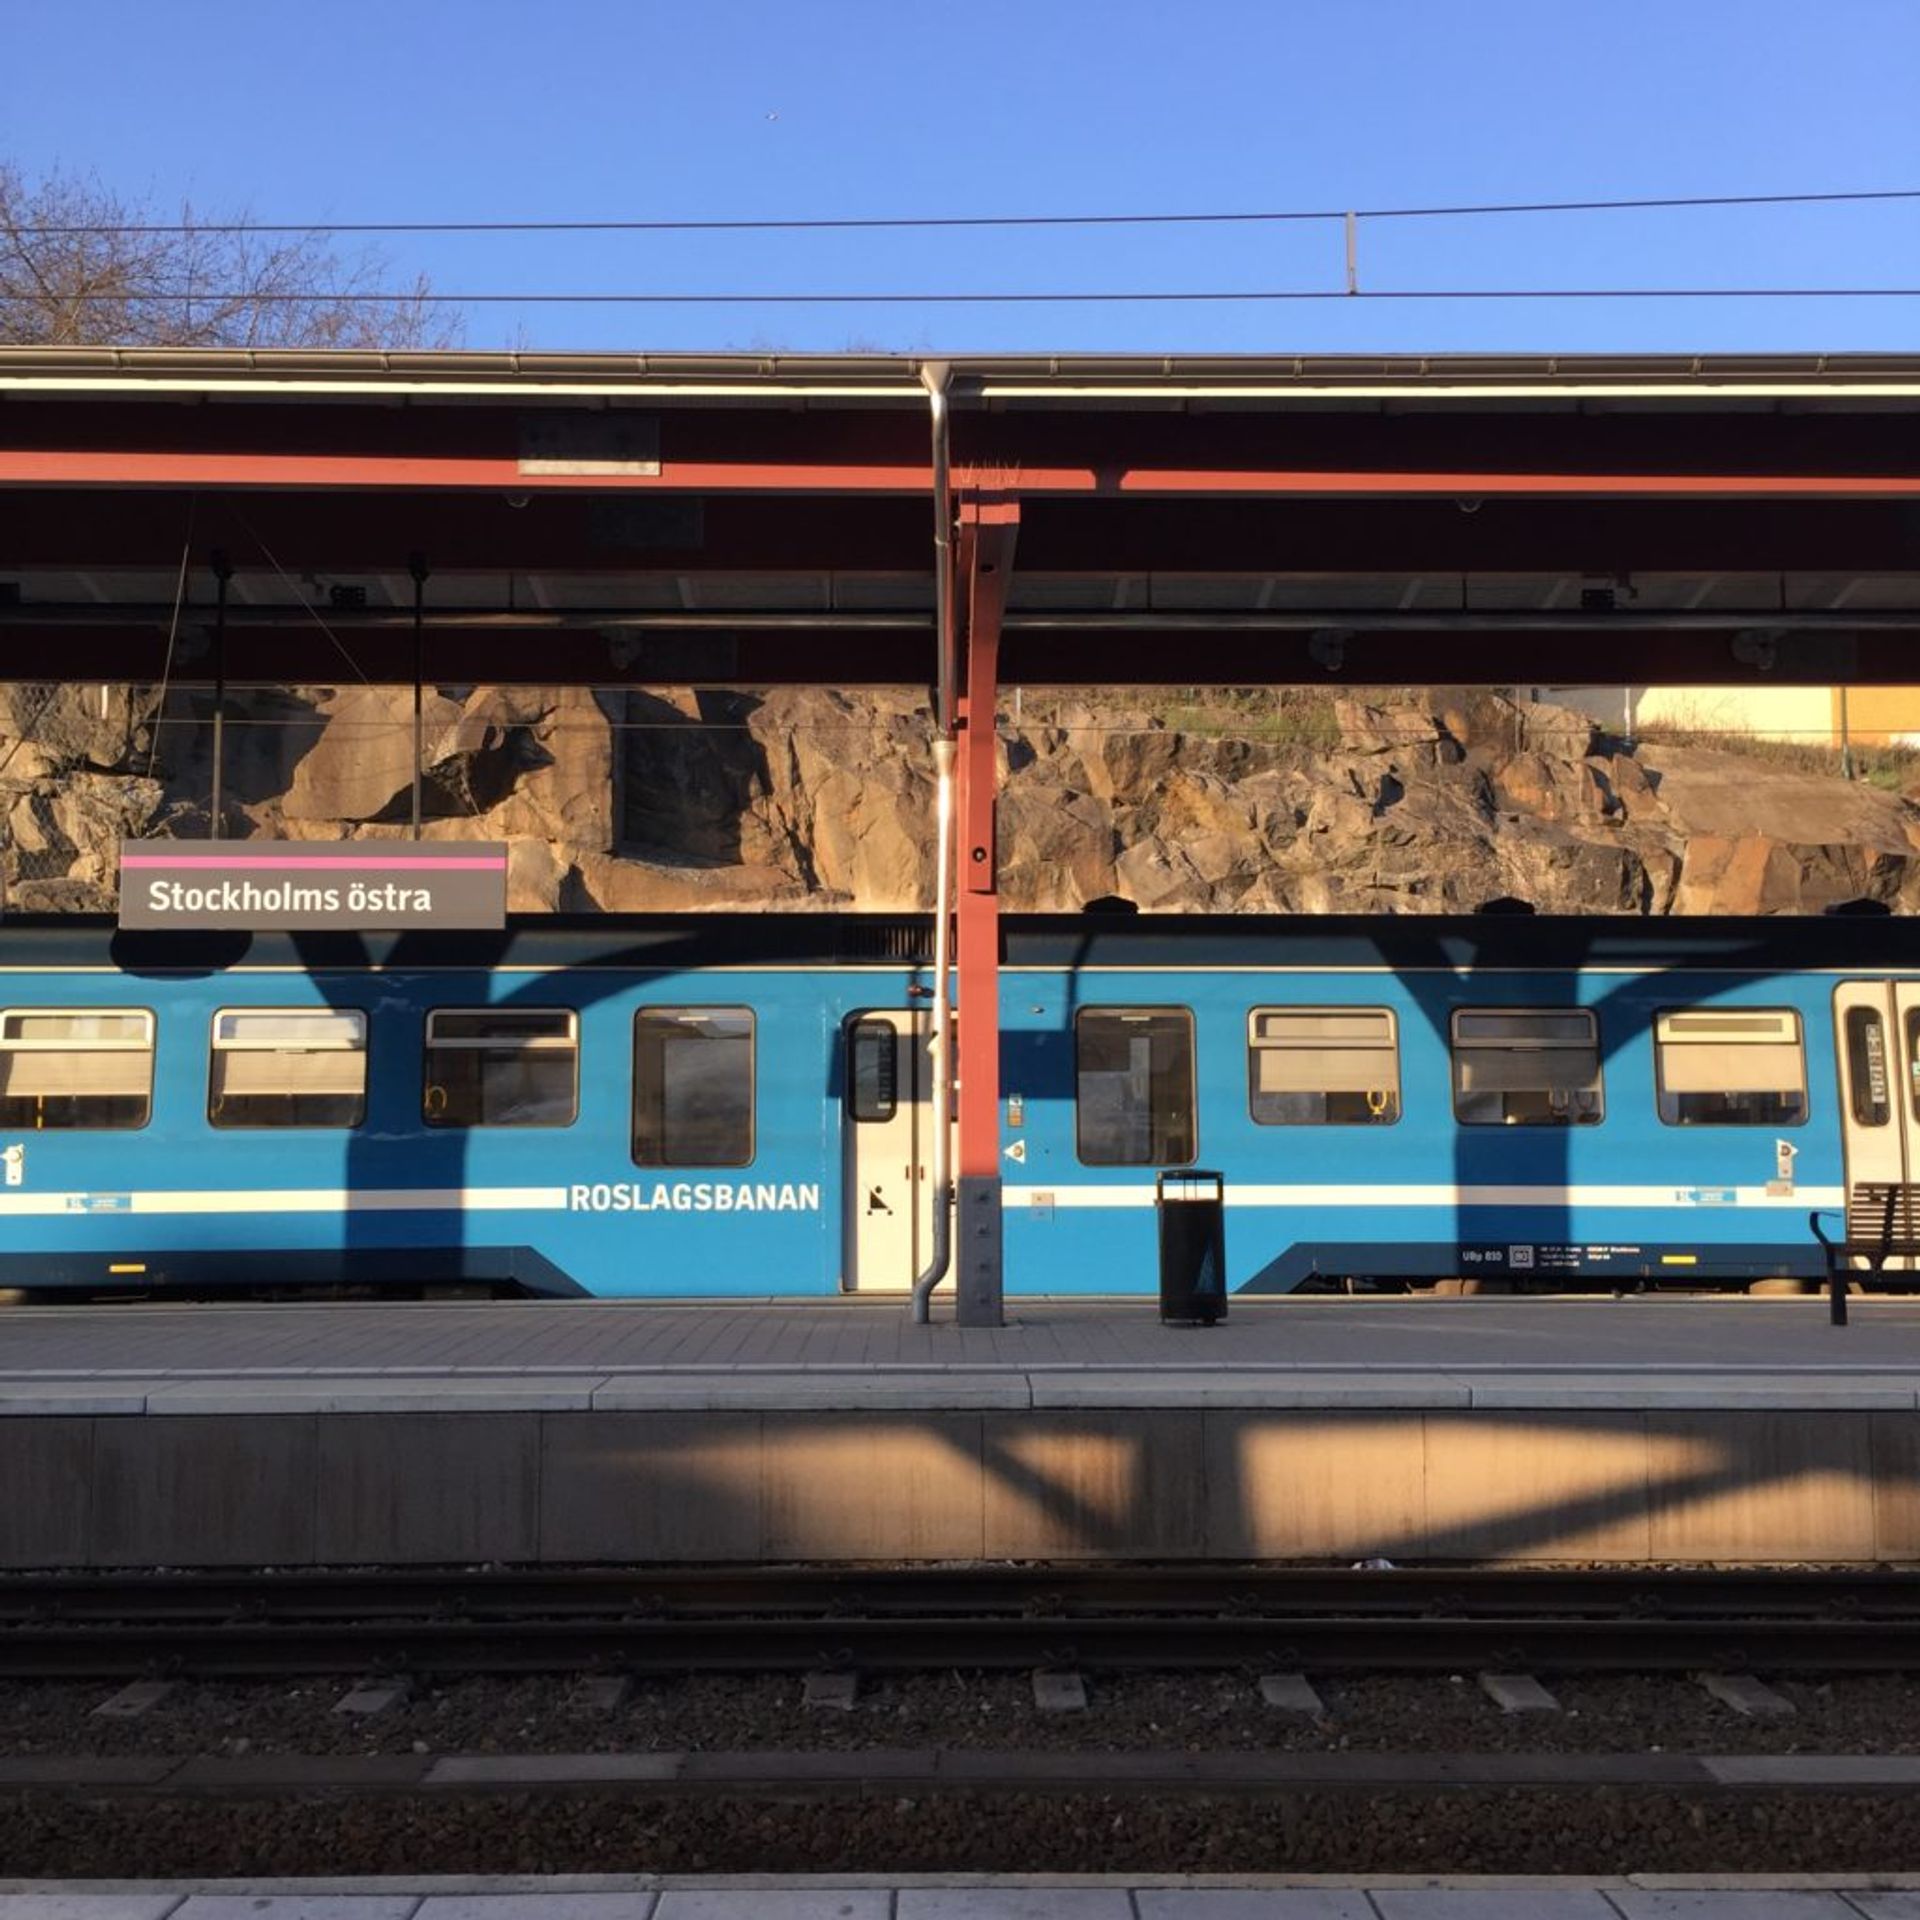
x=988, y=531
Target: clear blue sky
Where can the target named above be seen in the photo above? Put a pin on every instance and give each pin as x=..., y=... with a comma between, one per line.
x=737, y=108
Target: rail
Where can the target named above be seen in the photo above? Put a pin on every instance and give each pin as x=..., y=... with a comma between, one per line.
x=795, y=1619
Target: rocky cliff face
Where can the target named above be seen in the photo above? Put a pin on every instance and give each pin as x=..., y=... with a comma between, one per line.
x=1419, y=801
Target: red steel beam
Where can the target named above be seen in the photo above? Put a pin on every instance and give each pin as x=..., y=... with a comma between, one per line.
x=1437, y=536
x=1643, y=653
x=1648, y=655
x=344, y=535
x=347, y=534
x=342, y=655
x=68, y=468
x=1110, y=455
x=988, y=532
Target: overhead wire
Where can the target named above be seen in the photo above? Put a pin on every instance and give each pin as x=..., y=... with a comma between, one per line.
x=1103, y=297
x=936, y=222
x=419, y=296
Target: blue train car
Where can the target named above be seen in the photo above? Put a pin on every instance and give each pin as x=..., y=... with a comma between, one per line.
x=722, y=1105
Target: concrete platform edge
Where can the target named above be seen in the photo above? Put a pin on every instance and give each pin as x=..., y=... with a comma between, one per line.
x=956, y=1389
x=739, y=1483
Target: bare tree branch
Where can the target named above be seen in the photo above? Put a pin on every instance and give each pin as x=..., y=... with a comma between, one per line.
x=196, y=288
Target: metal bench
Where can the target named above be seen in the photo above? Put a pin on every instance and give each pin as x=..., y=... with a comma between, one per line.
x=1882, y=1224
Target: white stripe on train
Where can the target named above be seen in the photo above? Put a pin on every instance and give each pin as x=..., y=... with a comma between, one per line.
x=1701, y=1199
x=685, y=1197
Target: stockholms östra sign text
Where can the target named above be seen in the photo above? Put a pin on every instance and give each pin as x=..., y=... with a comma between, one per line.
x=343, y=885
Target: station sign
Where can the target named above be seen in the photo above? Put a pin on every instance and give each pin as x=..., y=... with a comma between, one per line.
x=339, y=886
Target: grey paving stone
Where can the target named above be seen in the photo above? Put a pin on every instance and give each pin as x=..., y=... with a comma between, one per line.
x=1292, y=1693
x=1013, y=1903
x=134, y=1699
x=1694, y=1392
x=813, y=1392
x=1888, y=1906
x=1059, y=1693
x=91, y=1906
x=1247, y=1903
x=1814, y=1769
x=811, y=1768
x=83, y=1770
x=546, y=1769
x=1492, y=1903
x=775, y=1903
x=41, y=1398
x=1744, y=1694
x=298, y=1906
x=374, y=1696
x=832, y=1692
x=537, y=1906
x=1099, y=1772
x=297, y=1772
x=465, y=1393
x=1731, y=1903
x=1518, y=1693
x=1246, y=1387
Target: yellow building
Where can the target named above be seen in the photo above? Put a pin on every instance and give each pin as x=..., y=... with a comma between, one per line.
x=1807, y=716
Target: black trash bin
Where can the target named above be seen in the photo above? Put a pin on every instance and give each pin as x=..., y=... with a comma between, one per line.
x=1192, y=1210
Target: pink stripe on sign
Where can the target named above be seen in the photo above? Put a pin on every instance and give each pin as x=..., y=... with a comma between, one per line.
x=293, y=863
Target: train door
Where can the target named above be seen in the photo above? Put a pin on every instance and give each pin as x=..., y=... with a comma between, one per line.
x=888, y=1135
x=1877, y=1037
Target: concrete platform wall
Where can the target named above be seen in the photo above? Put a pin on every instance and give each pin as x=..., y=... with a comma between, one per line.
x=217, y=1489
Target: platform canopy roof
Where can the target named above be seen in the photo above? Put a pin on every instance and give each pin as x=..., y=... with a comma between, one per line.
x=760, y=519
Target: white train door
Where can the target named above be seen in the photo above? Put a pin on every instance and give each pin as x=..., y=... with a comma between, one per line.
x=888, y=1132
x=1877, y=1037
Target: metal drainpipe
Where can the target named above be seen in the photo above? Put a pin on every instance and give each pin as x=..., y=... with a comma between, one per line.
x=217, y=806
x=939, y=1256
x=417, y=566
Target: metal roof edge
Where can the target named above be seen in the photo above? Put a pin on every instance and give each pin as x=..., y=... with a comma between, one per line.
x=1080, y=377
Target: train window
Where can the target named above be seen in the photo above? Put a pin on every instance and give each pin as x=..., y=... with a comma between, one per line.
x=1133, y=1086
x=693, y=1087
x=1867, y=1067
x=63, y=1067
x=873, y=1070
x=288, y=1068
x=1323, y=1066
x=1731, y=1067
x=1526, y=1067
x=1913, y=1060
x=502, y=1067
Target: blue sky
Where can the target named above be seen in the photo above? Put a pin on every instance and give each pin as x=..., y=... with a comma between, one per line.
x=734, y=109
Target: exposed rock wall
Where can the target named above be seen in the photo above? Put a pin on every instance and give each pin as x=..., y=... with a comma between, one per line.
x=1419, y=801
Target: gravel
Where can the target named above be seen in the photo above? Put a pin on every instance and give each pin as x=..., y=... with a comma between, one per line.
x=1591, y=1832
x=1197, y=1712
x=1486, y=1831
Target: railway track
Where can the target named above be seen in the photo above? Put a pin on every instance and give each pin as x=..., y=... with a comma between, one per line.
x=795, y=1619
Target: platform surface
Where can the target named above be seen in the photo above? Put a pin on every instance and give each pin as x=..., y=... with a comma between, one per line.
x=982, y=1897
x=344, y=1434
x=1655, y=1354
